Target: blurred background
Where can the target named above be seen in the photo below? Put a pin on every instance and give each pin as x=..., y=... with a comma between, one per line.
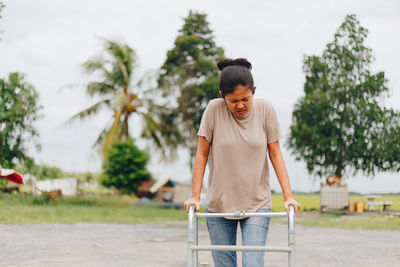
x=49, y=42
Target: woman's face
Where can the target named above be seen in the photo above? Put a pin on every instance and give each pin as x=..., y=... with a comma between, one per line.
x=239, y=102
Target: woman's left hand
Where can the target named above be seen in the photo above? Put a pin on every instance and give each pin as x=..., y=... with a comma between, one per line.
x=292, y=202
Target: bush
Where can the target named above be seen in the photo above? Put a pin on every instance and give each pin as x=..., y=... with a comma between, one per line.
x=125, y=168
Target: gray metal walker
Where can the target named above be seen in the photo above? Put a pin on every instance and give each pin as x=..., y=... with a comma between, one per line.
x=193, y=247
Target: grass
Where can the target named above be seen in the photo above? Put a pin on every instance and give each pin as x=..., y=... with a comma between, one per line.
x=28, y=209
x=307, y=201
x=311, y=201
x=17, y=209
x=371, y=221
x=366, y=222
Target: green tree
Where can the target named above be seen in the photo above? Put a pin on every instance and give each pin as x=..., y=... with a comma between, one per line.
x=125, y=168
x=19, y=109
x=341, y=125
x=42, y=171
x=188, y=80
x=114, y=71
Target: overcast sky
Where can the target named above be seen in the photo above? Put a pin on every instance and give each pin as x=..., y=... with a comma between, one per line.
x=48, y=40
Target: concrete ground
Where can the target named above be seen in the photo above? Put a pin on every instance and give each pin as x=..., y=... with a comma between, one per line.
x=164, y=244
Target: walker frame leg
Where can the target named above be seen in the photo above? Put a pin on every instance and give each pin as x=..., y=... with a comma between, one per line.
x=193, y=235
x=190, y=240
x=196, y=242
x=291, y=237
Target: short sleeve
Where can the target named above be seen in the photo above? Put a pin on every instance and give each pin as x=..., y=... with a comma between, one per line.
x=273, y=129
x=207, y=123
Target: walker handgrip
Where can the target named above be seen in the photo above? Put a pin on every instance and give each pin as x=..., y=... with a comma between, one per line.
x=291, y=209
x=291, y=219
x=192, y=208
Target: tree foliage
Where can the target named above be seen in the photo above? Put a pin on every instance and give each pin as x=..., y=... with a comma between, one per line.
x=125, y=168
x=2, y=5
x=188, y=80
x=340, y=124
x=42, y=171
x=114, y=73
x=19, y=109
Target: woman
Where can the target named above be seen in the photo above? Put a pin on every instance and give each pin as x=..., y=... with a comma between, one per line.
x=235, y=135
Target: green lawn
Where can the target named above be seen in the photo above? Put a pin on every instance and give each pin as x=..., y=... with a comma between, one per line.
x=311, y=201
x=370, y=222
x=374, y=221
x=18, y=209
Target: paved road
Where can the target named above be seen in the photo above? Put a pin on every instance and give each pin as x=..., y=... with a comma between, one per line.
x=164, y=244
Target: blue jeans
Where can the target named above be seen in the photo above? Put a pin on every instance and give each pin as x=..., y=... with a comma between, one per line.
x=223, y=232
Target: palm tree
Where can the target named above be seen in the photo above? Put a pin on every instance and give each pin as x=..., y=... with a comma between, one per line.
x=115, y=72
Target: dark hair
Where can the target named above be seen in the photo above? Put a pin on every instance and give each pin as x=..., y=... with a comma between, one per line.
x=234, y=72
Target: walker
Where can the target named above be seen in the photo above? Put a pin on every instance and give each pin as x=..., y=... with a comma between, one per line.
x=193, y=247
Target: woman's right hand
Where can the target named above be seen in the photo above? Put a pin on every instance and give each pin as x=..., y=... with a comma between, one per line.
x=192, y=201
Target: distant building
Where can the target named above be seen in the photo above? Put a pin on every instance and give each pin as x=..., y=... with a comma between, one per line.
x=144, y=189
x=68, y=186
x=166, y=190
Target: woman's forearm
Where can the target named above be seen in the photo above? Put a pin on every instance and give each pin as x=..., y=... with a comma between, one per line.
x=198, y=175
x=278, y=163
x=199, y=167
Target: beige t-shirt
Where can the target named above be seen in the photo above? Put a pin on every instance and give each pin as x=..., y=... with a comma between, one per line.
x=238, y=167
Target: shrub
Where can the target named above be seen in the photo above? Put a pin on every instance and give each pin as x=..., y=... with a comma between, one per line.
x=125, y=168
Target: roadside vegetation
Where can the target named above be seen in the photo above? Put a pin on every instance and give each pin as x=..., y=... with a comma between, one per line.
x=102, y=206
x=28, y=209
x=310, y=215
x=354, y=221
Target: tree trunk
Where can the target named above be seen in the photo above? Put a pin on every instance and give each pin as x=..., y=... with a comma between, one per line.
x=125, y=126
x=338, y=172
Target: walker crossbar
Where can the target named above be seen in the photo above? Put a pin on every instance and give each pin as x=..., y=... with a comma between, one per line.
x=241, y=248
x=242, y=214
x=194, y=248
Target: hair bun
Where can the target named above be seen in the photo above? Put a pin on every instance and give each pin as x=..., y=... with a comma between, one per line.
x=223, y=63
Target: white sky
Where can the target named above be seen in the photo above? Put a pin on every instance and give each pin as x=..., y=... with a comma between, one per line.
x=48, y=40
